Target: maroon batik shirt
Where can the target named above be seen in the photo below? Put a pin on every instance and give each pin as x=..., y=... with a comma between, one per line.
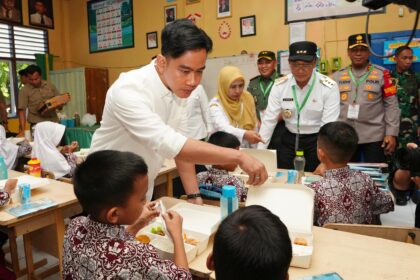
x=4, y=198
x=94, y=250
x=348, y=196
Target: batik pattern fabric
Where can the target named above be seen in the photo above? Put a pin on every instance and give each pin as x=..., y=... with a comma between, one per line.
x=4, y=198
x=350, y=197
x=94, y=250
x=219, y=178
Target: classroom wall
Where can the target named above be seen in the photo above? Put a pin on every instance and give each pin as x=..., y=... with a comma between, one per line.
x=272, y=33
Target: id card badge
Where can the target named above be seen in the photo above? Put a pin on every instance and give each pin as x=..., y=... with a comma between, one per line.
x=353, y=112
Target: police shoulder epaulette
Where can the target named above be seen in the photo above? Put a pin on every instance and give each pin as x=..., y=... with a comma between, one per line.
x=256, y=77
x=280, y=80
x=327, y=81
x=215, y=102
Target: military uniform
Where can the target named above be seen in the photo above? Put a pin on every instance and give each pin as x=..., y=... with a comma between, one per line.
x=31, y=97
x=378, y=113
x=408, y=91
x=260, y=88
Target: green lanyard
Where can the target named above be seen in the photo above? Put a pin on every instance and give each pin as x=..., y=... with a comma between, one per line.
x=299, y=108
x=267, y=89
x=360, y=81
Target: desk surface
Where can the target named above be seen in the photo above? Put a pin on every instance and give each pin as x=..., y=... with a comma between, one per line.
x=62, y=194
x=351, y=255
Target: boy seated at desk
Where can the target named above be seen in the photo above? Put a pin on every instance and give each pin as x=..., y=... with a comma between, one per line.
x=251, y=243
x=111, y=186
x=5, y=195
x=47, y=137
x=345, y=195
x=218, y=175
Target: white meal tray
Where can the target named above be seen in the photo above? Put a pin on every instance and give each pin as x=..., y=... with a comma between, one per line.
x=294, y=204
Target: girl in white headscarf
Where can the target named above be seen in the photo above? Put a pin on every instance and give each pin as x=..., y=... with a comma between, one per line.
x=10, y=152
x=47, y=136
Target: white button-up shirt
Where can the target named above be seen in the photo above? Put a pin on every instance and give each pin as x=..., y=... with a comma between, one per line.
x=142, y=116
x=322, y=106
x=198, y=114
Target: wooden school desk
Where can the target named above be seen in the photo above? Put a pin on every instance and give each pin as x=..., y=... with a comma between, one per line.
x=351, y=255
x=67, y=205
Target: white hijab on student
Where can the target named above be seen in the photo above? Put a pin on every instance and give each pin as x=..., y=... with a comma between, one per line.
x=7, y=150
x=46, y=138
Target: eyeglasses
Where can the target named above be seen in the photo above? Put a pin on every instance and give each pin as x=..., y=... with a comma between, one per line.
x=304, y=66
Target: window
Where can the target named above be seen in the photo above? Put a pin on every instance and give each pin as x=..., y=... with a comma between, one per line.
x=18, y=46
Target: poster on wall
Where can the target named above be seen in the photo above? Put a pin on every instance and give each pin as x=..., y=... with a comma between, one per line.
x=307, y=10
x=110, y=24
x=391, y=46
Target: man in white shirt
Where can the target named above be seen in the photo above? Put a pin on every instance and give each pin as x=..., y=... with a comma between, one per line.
x=40, y=17
x=145, y=112
x=306, y=100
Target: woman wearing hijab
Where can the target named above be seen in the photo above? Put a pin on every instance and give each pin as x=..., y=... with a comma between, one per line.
x=233, y=108
x=47, y=136
x=10, y=152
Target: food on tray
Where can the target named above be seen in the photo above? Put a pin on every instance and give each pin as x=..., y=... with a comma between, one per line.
x=190, y=240
x=143, y=238
x=300, y=241
x=157, y=230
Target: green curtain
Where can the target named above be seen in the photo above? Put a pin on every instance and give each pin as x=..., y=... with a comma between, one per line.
x=45, y=62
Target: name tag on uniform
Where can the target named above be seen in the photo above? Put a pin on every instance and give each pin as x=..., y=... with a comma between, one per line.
x=287, y=99
x=353, y=112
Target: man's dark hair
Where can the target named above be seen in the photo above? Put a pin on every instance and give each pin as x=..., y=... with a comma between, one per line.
x=31, y=69
x=182, y=35
x=106, y=179
x=252, y=243
x=401, y=49
x=23, y=72
x=224, y=139
x=338, y=140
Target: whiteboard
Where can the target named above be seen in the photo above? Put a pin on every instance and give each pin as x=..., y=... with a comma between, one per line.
x=247, y=64
x=304, y=10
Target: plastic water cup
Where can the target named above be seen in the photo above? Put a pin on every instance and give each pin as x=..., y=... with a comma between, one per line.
x=24, y=193
x=291, y=176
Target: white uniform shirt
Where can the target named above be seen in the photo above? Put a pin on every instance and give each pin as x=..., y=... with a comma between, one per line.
x=322, y=106
x=198, y=114
x=141, y=115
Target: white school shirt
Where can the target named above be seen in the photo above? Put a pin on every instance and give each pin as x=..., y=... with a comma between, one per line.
x=198, y=114
x=322, y=106
x=8, y=150
x=219, y=121
x=142, y=116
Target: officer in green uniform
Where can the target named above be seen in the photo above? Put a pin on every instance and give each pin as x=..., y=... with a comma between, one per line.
x=368, y=102
x=408, y=91
x=260, y=87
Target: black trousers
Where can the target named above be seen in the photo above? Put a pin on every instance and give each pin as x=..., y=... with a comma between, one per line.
x=369, y=152
x=286, y=151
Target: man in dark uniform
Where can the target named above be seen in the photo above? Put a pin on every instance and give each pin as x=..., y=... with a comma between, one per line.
x=368, y=102
x=408, y=90
x=260, y=87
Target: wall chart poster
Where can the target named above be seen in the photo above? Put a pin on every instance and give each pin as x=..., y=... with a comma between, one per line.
x=110, y=24
x=307, y=10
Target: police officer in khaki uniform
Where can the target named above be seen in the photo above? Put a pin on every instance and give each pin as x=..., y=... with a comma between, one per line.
x=368, y=102
x=306, y=100
x=32, y=95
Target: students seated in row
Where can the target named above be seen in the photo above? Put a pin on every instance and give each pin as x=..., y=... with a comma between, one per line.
x=218, y=175
x=233, y=108
x=47, y=137
x=11, y=152
x=252, y=243
x=111, y=186
x=344, y=195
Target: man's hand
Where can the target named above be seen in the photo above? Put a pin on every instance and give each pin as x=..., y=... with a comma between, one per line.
x=197, y=200
x=253, y=137
x=21, y=134
x=254, y=168
x=389, y=144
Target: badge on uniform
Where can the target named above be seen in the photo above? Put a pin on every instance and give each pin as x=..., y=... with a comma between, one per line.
x=287, y=114
x=353, y=112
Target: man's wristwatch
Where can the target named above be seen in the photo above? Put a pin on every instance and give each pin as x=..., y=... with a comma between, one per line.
x=193, y=195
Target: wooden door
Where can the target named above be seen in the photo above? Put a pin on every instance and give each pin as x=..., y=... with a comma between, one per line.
x=97, y=85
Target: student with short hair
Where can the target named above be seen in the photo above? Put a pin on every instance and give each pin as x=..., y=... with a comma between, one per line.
x=218, y=175
x=345, y=195
x=252, y=243
x=111, y=187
